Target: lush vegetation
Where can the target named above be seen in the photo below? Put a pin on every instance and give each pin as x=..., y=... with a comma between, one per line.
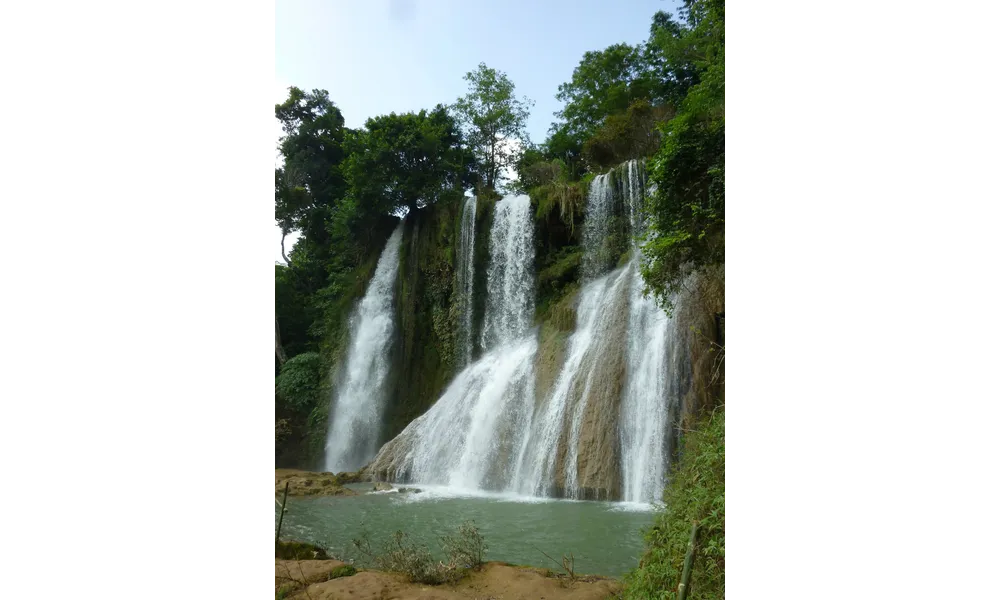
x=696, y=493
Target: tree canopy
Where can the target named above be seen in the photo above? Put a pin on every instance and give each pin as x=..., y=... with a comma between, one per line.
x=407, y=161
x=494, y=120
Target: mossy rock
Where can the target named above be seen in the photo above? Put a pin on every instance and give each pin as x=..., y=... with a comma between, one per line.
x=299, y=551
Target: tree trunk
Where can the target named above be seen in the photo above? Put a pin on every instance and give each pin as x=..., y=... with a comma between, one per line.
x=278, y=350
x=283, y=234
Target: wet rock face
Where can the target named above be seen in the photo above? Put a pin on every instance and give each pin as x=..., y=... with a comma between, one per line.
x=382, y=486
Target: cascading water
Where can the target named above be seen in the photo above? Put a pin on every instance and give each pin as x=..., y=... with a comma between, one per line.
x=653, y=358
x=471, y=436
x=359, y=401
x=510, y=299
x=603, y=430
x=465, y=274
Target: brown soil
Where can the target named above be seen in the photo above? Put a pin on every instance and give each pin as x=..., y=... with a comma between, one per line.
x=308, y=483
x=496, y=581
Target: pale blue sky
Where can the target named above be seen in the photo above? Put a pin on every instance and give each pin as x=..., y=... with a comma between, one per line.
x=382, y=56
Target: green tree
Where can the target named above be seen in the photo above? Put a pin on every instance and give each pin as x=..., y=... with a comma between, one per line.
x=494, y=120
x=605, y=83
x=632, y=134
x=670, y=55
x=687, y=210
x=312, y=147
x=407, y=161
x=310, y=189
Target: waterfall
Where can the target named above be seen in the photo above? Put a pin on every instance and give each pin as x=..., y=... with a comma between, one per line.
x=654, y=369
x=510, y=299
x=471, y=437
x=465, y=275
x=603, y=430
x=359, y=401
x=598, y=311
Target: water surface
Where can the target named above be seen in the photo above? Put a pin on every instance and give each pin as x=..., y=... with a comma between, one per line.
x=604, y=537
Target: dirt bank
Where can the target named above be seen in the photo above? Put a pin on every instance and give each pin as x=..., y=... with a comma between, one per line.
x=496, y=580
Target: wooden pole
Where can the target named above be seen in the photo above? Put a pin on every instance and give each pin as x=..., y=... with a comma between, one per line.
x=688, y=559
x=281, y=517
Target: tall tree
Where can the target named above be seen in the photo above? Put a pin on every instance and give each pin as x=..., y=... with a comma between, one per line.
x=604, y=83
x=313, y=143
x=407, y=161
x=310, y=187
x=495, y=122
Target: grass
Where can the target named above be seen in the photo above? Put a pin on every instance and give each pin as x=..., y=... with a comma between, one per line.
x=696, y=492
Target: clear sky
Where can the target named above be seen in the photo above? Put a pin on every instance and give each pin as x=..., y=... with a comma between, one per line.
x=382, y=56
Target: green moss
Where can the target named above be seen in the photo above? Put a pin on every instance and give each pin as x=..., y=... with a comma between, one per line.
x=426, y=356
x=696, y=492
x=343, y=571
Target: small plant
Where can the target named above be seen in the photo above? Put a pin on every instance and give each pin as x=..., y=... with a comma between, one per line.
x=568, y=563
x=400, y=555
x=467, y=549
x=343, y=571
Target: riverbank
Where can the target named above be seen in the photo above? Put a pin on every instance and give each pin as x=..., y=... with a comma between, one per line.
x=310, y=483
x=311, y=579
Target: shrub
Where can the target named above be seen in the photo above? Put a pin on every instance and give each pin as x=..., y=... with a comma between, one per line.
x=398, y=554
x=467, y=549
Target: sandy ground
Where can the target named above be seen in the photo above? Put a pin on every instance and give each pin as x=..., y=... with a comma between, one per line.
x=308, y=483
x=496, y=581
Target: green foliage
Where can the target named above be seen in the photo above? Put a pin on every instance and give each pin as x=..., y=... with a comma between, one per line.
x=465, y=549
x=494, y=120
x=407, y=161
x=343, y=571
x=696, y=492
x=687, y=228
x=605, y=83
x=313, y=150
x=550, y=187
x=299, y=551
x=671, y=56
x=294, y=311
x=622, y=137
x=299, y=383
x=560, y=273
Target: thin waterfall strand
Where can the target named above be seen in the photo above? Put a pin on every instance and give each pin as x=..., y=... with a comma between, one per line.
x=360, y=398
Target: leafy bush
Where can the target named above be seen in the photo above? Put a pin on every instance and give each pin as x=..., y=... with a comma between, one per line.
x=299, y=382
x=696, y=492
x=467, y=549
